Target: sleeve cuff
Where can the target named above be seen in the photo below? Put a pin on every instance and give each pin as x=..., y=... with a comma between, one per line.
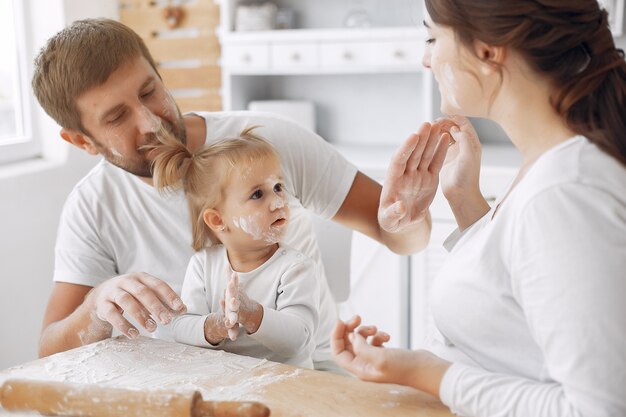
x=447, y=388
x=457, y=235
x=453, y=239
x=190, y=330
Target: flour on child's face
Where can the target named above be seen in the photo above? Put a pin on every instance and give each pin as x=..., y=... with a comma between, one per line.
x=258, y=203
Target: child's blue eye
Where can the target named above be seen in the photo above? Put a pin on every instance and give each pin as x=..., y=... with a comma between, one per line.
x=278, y=188
x=256, y=195
x=430, y=41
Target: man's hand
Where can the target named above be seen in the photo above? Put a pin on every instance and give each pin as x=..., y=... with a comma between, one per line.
x=140, y=295
x=412, y=179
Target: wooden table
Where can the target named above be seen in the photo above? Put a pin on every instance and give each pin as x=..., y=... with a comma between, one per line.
x=288, y=391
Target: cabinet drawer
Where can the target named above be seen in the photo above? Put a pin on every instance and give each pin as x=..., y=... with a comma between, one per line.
x=295, y=55
x=246, y=56
x=397, y=53
x=345, y=54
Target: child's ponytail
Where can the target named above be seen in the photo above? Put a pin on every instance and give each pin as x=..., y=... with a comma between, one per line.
x=172, y=162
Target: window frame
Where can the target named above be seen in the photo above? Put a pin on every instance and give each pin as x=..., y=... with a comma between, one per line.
x=25, y=145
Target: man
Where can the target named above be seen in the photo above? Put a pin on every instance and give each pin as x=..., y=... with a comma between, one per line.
x=122, y=248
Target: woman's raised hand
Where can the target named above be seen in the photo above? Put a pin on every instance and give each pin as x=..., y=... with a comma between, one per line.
x=461, y=168
x=412, y=178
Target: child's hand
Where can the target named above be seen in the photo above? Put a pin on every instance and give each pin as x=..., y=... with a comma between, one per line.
x=215, y=330
x=239, y=309
x=230, y=305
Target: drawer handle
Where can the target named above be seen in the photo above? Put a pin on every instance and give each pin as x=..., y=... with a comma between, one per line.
x=399, y=54
x=246, y=58
x=347, y=55
x=295, y=57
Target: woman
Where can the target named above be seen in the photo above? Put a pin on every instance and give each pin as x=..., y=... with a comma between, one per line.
x=529, y=307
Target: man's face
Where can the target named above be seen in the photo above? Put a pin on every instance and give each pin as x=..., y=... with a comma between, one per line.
x=124, y=114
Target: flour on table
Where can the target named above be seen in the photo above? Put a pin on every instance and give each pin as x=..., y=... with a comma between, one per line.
x=146, y=363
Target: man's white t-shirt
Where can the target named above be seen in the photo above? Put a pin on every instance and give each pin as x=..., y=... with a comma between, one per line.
x=530, y=304
x=287, y=286
x=113, y=223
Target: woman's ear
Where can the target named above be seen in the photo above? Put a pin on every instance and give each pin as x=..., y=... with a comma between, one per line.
x=213, y=220
x=491, y=57
x=79, y=140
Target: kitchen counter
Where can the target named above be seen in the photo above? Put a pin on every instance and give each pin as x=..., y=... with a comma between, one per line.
x=151, y=364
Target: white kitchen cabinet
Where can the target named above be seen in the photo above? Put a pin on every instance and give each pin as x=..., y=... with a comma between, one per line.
x=335, y=68
x=370, y=92
x=377, y=280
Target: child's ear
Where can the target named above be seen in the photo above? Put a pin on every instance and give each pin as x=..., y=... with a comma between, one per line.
x=213, y=220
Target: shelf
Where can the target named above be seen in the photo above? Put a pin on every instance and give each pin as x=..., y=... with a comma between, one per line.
x=323, y=51
x=300, y=35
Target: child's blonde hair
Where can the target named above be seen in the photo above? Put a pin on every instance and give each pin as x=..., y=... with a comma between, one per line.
x=204, y=173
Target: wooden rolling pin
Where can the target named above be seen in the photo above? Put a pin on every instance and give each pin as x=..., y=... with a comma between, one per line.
x=62, y=399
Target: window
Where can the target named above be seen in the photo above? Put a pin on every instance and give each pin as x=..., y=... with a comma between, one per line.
x=615, y=8
x=16, y=140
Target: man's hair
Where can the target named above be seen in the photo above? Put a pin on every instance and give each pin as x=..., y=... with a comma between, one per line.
x=80, y=57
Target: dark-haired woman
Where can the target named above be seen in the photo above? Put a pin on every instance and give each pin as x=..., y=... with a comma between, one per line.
x=530, y=308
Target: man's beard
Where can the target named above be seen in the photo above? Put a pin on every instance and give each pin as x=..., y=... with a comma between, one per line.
x=142, y=164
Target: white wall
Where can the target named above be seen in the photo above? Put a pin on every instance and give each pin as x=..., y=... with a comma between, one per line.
x=31, y=198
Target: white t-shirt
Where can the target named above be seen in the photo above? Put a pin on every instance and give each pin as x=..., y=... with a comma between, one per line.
x=534, y=296
x=113, y=223
x=288, y=287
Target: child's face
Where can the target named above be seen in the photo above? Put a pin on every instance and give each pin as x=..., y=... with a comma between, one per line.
x=255, y=209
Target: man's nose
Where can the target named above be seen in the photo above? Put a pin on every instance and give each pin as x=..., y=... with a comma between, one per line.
x=147, y=122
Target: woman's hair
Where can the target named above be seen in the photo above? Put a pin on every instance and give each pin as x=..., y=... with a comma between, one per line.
x=204, y=174
x=568, y=41
x=82, y=56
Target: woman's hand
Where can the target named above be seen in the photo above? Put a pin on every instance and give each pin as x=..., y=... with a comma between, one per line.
x=355, y=355
x=461, y=169
x=370, y=361
x=460, y=173
x=412, y=179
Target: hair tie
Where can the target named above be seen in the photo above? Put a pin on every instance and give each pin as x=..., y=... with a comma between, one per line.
x=183, y=168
